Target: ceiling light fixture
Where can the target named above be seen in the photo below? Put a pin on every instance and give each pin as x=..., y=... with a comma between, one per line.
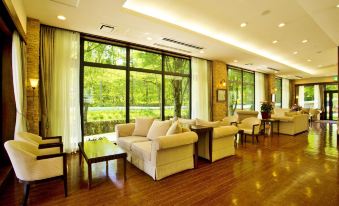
x=309, y=60
x=320, y=65
x=170, y=17
x=282, y=24
x=337, y=5
x=201, y=51
x=295, y=52
x=304, y=41
x=244, y=24
x=149, y=38
x=275, y=41
x=235, y=61
x=61, y=17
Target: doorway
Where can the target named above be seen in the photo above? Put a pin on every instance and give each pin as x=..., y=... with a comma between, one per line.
x=331, y=105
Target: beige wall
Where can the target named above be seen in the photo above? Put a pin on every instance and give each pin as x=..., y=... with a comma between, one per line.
x=314, y=80
x=20, y=11
x=33, y=42
x=219, y=73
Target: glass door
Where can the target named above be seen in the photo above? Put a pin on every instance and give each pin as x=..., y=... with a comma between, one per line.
x=331, y=105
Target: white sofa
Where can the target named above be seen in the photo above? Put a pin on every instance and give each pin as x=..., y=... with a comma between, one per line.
x=291, y=123
x=161, y=156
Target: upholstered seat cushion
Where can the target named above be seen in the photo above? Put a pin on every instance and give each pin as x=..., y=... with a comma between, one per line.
x=142, y=149
x=126, y=142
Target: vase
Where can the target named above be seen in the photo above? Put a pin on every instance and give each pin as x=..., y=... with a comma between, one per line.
x=265, y=115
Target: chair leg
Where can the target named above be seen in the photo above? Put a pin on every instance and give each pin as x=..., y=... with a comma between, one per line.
x=26, y=193
x=257, y=138
x=245, y=138
x=252, y=139
x=65, y=185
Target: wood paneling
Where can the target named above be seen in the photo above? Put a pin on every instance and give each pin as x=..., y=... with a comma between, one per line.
x=280, y=170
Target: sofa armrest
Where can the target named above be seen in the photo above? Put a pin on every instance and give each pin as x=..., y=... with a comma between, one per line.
x=175, y=140
x=124, y=130
x=224, y=131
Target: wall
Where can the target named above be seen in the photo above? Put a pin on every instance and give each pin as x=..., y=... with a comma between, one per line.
x=33, y=41
x=314, y=80
x=219, y=73
x=20, y=11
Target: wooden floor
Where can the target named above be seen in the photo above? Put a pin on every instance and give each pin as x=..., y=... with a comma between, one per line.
x=280, y=170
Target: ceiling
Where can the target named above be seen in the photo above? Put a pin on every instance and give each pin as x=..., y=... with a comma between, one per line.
x=214, y=26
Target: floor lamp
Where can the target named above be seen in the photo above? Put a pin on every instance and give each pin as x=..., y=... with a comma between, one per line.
x=34, y=84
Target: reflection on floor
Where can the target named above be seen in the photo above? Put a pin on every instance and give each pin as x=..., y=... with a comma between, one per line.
x=280, y=170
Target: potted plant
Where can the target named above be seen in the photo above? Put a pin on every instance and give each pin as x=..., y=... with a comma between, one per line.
x=266, y=109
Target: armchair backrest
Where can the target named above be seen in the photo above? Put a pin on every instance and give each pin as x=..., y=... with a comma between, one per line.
x=28, y=137
x=243, y=114
x=249, y=122
x=22, y=155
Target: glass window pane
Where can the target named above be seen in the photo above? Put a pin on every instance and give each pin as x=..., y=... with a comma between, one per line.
x=177, y=65
x=309, y=96
x=177, y=97
x=104, y=53
x=234, y=90
x=248, y=91
x=331, y=87
x=278, y=91
x=104, y=100
x=145, y=95
x=145, y=60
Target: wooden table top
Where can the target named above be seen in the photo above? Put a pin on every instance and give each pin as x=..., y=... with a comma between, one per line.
x=102, y=148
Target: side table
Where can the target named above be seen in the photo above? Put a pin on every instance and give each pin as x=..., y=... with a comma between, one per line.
x=201, y=130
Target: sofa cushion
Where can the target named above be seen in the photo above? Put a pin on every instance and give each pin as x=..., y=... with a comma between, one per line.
x=126, y=142
x=291, y=114
x=205, y=123
x=142, y=126
x=175, y=128
x=142, y=150
x=158, y=128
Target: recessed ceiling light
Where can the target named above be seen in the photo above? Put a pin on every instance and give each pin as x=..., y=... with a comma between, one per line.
x=149, y=38
x=276, y=72
x=201, y=51
x=146, y=33
x=235, y=61
x=244, y=24
x=320, y=65
x=275, y=41
x=282, y=24
x=304, y=41
x=337, y=5
x=61, y=17
x=309, y=60
x=295, y=52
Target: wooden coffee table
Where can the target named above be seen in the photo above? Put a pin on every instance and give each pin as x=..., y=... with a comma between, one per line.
x=100, y=151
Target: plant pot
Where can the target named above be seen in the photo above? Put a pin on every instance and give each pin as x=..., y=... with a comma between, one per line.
x=265, y=115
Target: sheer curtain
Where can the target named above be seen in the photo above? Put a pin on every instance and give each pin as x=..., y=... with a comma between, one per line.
x=200, y=95
x=285, y=93
x=317, y=100
x=64, y=105
x=301, y=96
x=259, y=90
x=18, y=82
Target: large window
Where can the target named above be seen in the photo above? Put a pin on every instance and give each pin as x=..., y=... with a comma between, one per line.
x=240, y=90
x=308, y=96
x=278, y=92
x=121, y=83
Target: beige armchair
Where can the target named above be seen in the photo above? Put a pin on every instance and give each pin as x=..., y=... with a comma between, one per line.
x=243, y=114
x=251, y=126
x=32, y=165
x=49, y=144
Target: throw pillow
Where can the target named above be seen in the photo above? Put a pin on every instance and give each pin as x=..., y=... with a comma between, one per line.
x=158, y=128
x=174, y=129
x=186, y=122
x=142, y=126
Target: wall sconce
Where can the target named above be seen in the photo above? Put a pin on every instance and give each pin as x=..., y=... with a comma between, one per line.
x=34, y=83
x=223, y=83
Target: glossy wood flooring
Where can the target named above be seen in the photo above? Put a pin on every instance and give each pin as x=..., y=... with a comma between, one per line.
x=280, y=170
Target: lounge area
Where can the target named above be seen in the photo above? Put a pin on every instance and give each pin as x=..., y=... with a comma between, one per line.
x=146, y=102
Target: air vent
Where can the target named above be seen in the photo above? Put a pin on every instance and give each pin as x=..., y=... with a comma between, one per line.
x=300, y=77
x=71, y=3
x=107, y=28
x=173, y=48
x=270, y=68
x=183, y=43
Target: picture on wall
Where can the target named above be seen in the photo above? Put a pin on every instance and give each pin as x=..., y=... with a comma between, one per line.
x=221, y=95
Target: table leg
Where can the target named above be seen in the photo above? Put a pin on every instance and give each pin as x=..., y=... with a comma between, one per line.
x=210, y=144
x=242, y=138
x=278, y=127
x=106, y=168
x=124, y=168
x=196, y=154
x=80, y=157
x=272, y=129
x=89, y=175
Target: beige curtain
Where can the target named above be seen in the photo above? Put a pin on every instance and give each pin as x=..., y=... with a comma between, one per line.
x=46, y=67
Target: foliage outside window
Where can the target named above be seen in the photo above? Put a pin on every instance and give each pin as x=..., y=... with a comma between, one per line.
x=240, y=90
x=331, y=87
x=278, y=92
x=309, y=96
x=107, y=75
